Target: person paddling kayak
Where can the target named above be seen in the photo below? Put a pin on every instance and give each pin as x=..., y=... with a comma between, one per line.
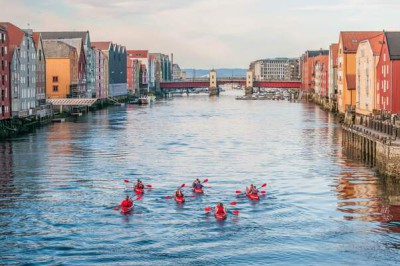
x=139, y=184
x=179, y=197
x=220, y=209
x=197, y=184
x=220, y=212
x=126, y=204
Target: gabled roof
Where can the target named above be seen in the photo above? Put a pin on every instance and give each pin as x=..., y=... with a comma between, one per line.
x=57, y=49
x=315, y=53
x=76, y=43
x=351, y=39
x=334, y=53
x=15, y=36
x=351, y=81
x=105, y=46
x=137, y=53
x=376, y=43
x=393, y=43
x=36, y=39
x=64, y=35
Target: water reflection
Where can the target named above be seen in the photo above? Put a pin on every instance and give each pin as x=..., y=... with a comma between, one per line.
x=7, y=187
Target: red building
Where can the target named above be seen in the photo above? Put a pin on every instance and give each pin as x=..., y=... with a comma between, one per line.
x=388, y=74
x=307, y=64
x=5, y=94
x=137, y=70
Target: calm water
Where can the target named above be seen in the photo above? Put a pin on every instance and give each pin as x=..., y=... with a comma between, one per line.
x=58, y=188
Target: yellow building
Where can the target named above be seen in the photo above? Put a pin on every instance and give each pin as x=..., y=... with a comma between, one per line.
x=346, y=78
x=367, y=58
x=61, y=69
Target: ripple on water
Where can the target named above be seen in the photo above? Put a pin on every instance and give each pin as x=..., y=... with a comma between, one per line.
x=59, y=187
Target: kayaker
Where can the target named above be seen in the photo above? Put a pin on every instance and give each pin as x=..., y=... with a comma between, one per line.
x=251, y=189
x=126, y=203
x=220, y=208
x=139, y=184
x=254, y=190
x=179, y=193
x=197, y=184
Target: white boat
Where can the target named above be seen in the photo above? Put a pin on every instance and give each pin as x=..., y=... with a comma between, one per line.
x=143, y=100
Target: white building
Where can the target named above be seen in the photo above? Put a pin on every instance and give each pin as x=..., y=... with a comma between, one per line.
x=276, y=69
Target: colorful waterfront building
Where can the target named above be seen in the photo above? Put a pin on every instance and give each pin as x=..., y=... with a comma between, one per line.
x=388, y=74
x=321, y=74
x=142, y=56
x=160, y=69
x=22, y=63
x=116, y=55
x=332, y=76
x=133, y=75
x=101, y=73
x=348, y=45
x=40, y=70
x=62, y=65
x=307, y=63
x=367, y=58
x=5, y=96
x=87, y=81
x=81, y=91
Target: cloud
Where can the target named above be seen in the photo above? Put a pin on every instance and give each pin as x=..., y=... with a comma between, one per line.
x=209, y=33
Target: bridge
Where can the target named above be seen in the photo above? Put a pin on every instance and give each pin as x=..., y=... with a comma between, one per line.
x=213, y=83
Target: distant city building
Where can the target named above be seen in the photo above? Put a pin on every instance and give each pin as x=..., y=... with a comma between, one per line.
x=367, y=57
x=176, y=72
x=101, y=73
x=22, y=58
x=117, y=57
x=276, y=69
x=5, y=100
x=89, y=71
x=62, y=65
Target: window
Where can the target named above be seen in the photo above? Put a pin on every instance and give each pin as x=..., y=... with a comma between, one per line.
x=55, y=78
x=55, y=88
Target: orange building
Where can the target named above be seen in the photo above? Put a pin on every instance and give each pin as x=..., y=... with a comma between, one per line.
x=346, y=79
x=61, y=69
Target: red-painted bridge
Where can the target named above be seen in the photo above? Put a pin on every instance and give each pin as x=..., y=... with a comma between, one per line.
x=286, y=84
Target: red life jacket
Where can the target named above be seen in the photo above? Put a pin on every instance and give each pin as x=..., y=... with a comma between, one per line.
x=126, y=203
x=220, y=209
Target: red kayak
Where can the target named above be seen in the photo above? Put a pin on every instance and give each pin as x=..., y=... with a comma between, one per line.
x=198, y=190
x=180, y=199
x=220, y=216
x=126, y=210
x=252, y=196
x=138, y=190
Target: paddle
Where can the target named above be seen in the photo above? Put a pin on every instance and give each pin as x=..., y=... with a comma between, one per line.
x=205, y=180
x=209, y=209
x=118, y=206
x=127, y=181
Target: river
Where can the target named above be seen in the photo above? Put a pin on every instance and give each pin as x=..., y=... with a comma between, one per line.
x=59, y=187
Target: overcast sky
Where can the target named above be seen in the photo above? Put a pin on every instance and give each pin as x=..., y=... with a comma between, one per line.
x=208, y=33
